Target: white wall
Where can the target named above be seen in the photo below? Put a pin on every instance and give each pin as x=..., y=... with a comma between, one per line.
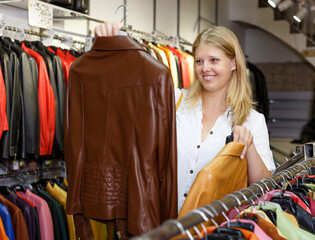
x=140, y=16
x=262, y=47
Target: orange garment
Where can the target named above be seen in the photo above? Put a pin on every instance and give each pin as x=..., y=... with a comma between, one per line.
x=160, y=54
x=3, y=235
x=172, y=64
x=269, y=228
x=183, y=67
x=191, y=66
x=210, y=184
x=292, y=218
x=18, y=221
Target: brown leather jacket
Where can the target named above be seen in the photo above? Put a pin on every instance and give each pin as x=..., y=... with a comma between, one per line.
x=120, y=138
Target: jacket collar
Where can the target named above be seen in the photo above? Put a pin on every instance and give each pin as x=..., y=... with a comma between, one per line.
x=116, y=43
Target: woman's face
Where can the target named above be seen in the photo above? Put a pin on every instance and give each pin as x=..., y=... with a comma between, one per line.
x=213, y=68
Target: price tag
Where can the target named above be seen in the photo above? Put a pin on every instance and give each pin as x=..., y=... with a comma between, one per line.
x=40, y=14
x=15, y=165
x=2, y=24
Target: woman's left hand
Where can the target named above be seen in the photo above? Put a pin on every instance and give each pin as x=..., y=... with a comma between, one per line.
x=243, y=135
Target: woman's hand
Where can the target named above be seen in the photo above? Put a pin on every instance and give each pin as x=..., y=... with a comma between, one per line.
x=257, y=169
x=243, y=135
x=107, y=29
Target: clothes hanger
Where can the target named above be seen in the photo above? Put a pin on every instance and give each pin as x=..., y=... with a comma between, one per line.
x=239, y=223
x=204, y=217
x=18, y=188
x=229, y=138
x=217, y=235
x=122, y=33
x=228, y=230
x=180, y=227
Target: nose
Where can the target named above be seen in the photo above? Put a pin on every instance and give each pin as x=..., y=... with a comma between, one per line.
x=206, y=66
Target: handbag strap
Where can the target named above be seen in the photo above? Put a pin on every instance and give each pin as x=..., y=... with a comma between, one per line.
x=179, y=101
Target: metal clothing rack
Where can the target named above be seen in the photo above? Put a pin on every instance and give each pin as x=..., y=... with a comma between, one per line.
x=31, y=32
x=171, y=228
x=30, y=172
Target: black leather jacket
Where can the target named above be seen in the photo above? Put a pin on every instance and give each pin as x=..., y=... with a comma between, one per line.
x=29, y=134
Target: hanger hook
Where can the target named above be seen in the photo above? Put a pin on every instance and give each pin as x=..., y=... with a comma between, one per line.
x=262, y=191
x=255, y=195
x=275, y=183
x=126, y=9
x=211, y=215
x=177, y=223
x=223, y=213
x=288, y=177
x=233, y=120
x=204, y=217
x=242, y=194
x=239, y=204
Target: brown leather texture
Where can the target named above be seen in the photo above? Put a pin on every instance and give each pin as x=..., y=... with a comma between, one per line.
x=226, y=173
x=120, y=137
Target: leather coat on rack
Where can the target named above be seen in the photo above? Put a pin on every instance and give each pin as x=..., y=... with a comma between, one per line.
x=61, y=94
x=120, y=138
x=226, y=173
x=58, y=139
x=46, y=101
x=29, y=134
x=10, y=69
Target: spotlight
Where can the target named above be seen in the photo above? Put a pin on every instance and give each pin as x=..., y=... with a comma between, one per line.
x=284, y=5
x=273, y=3
x=300, y=14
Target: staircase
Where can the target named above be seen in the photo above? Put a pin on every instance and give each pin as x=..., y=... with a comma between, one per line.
x=255, y=13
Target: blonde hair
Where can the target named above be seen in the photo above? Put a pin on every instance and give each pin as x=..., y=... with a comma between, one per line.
x=239, y=94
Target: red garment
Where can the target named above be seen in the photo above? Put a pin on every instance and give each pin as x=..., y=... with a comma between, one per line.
x=66, y=59
x=3, y=100
x=311, y=202
x=183, y=67
x=46, y=101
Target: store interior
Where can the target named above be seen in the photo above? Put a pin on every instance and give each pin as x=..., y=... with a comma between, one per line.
x=282, y=49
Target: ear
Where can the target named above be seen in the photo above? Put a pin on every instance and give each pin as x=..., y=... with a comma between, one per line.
x=233, y=64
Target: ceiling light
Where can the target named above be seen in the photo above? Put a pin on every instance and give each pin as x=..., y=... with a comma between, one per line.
x=284, y=5
x=273, y=3
x=300, y=14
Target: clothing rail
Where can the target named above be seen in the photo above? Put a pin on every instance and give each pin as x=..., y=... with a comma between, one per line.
x=296, y=158
x=30, y=172
x=174, y=227
x=31, y=32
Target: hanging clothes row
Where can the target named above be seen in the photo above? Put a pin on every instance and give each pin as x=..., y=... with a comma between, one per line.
x=33, y=85
x=284, y=210
x=179, y=61
x=38, y=211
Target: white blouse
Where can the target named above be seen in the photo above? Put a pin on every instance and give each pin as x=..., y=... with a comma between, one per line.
x=193, y=155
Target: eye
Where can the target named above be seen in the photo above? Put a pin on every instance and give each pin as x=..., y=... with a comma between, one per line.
x=214, y=60
x=198, y=61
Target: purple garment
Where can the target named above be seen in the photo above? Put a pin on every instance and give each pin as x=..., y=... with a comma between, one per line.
x=44, y=215
x=28, y=213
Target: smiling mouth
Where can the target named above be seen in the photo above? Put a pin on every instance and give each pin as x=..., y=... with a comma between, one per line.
x=208, y=77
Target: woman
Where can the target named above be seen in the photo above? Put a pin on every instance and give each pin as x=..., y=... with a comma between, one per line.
x=204, y=119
